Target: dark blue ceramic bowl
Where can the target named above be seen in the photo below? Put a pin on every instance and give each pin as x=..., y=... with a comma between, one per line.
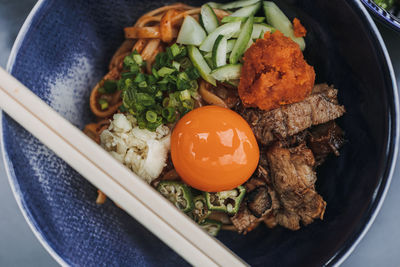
x=64, y=49
x=383, y=15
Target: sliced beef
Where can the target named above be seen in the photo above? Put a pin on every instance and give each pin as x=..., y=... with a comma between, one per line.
x=293, y=178
x=325, y=139
x=320, y=107
x=243, y=219
x=259, y=201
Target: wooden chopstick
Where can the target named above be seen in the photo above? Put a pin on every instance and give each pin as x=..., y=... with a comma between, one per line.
x=125, y=188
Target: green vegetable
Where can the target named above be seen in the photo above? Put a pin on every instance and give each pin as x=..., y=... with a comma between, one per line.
x=219, y=51
x=162, y=96
x=103, y=104
x=228, y=19
x=200, y=211
x=228, y=30
x=210, y=226
x=208, y=18
x=259, y=30
x=227, y=201
x=234, y=5
x=242, y=41
x=200, y=64
x=227, y=72
x=385, y=4
x=178, y=193
x=247, y=11
x=278, y=20
x=191, y=32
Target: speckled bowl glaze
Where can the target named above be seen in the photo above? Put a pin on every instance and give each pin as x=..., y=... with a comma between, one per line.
x=382, y=15
x=64, y=49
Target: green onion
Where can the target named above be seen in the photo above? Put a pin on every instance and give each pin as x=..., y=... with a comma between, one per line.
x=103, y=104
x=164, y=71
x=175, y=50
x=185, y=95
x=176, y=65
x=151, y=116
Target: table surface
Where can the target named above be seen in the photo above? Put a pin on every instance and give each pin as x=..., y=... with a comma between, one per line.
x=19, y=247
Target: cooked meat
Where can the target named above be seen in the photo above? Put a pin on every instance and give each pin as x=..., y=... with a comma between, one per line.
x=293, y=178
x=254, y=182
x=258, y=201
x=320, y=107
x=325, y=139
x=243, y=219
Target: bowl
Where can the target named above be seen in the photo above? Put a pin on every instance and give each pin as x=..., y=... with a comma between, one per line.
x=383, y=15
x=64, y=48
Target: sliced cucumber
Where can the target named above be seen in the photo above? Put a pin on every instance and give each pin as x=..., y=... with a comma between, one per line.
x=259, y=30
x=230, y=45
x=208, y=18
x=242, y=41
x=227, y=72
x=228, y=19
x=247, y=11
x=200, y=64
x=219, y=51
x=237, y=4
x=250, y=43
x=191, y=32
x=214, y=5
x=228, y=30
x=278, y=20
x=234, y=83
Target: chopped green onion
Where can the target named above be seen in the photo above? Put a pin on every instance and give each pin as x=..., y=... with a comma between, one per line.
x=103, y=104
x=151, y=116
x=176, y=65
x=185, y=95
x=164, y=71
x=175, y=50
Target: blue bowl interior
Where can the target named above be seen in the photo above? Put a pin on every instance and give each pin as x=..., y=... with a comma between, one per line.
x=67, y=50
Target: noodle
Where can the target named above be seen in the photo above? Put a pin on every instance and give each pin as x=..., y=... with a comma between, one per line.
x=209, y=97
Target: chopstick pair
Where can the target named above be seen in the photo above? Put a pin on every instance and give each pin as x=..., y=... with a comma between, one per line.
x=121, y=185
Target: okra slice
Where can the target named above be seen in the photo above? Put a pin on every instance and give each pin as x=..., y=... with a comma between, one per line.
x=212, y=227
x=200, y=211
x=227, y=201
x=178, y=193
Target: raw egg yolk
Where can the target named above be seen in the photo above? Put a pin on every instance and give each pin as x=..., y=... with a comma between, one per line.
x=213, y=149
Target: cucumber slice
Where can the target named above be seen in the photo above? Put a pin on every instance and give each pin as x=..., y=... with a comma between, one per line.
x=250, y=43
x=227, y=72
x=234, y=83
x=237, y=4
x=219, y=51
x=247, y=11
x=228, y=19
x=230, y=45
x=259, y=30
x=200, y=64
x=214, y=5
x=228, y=30
x=242, y=41
x=278, y=20
x=208, y=18
x=191, y=32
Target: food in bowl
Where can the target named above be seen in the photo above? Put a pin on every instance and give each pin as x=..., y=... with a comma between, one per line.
x=219, y=111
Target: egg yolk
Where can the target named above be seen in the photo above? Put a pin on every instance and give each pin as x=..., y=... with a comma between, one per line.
x=213, y=149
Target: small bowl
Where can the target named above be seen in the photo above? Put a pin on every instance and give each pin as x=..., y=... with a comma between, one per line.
x=383, y=15
x=64, y=48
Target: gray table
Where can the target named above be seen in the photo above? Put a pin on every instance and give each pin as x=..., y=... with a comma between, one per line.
x=19, y=247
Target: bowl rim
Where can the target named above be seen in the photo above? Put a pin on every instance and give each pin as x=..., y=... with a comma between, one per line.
x=382, y=15
x=336, y=259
